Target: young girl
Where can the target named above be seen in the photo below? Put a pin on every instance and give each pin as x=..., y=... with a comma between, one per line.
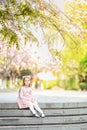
x=26, y=98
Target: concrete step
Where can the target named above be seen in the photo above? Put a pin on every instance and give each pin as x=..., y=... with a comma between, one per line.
x=48, y=105
x=47, y=127
x=51, y=112
x=59, y=116
x=47, y=120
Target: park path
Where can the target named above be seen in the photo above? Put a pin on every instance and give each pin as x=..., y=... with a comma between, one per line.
x=48, y=96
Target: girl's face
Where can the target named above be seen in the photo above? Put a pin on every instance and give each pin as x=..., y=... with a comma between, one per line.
x=27, y=81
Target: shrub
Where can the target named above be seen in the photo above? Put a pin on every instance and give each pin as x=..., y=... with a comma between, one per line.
x=83, y=85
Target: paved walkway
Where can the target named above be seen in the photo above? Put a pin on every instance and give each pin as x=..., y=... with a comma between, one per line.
x=48, y=96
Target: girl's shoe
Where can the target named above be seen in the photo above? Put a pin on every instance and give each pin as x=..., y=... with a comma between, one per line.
x=36, y=115
x=42, y=115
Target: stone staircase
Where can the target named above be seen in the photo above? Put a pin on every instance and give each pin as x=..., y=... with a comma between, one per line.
x=59, y=116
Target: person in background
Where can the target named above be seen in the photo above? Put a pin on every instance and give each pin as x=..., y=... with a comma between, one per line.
x=26, y=98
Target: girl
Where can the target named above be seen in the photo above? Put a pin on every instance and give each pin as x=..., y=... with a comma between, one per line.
x=26, y=98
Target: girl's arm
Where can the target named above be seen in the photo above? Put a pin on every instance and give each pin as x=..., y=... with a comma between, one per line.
x=21, y=95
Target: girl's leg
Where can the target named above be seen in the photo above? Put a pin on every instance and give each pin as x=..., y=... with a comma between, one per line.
x=33, y=110
x=36, y=106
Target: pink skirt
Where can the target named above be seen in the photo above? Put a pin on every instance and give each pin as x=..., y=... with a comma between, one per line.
x=24, y=103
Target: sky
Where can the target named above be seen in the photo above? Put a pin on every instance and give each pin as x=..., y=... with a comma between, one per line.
x=42, y=51
x=60, y=3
